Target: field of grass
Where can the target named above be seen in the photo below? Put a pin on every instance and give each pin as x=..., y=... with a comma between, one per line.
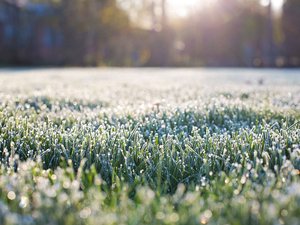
x=149, y=147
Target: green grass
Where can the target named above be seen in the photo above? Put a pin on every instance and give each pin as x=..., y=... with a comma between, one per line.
x=89, y=149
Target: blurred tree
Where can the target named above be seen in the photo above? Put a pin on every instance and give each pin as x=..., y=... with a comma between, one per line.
x=88, y=26
x=151, y=16
x=139, y=33
x=87, y=31
x=291, y=29
x=162, y=36
x=227, y=33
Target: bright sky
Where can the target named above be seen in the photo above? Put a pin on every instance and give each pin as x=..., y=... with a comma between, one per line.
x=276, y=3
x=181, y=8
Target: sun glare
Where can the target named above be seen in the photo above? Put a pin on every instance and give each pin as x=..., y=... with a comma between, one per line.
x=277, y=4
x=182, y=8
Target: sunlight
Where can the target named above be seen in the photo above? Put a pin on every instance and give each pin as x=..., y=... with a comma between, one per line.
x=277, y=4
x=182, y=8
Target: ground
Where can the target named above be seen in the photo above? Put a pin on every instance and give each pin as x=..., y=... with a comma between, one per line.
x=149, y=146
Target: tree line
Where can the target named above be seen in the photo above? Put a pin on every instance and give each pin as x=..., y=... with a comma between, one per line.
x=141, y=33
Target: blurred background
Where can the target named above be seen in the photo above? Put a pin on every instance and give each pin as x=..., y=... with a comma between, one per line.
x=143, y=33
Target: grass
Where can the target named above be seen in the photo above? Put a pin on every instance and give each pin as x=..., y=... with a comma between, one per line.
x=89, y=149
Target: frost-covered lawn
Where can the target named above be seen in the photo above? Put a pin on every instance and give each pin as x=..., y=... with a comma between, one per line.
x=149, y=146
